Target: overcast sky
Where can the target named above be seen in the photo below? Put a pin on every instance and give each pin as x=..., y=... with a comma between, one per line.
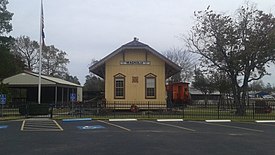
x=91, y=29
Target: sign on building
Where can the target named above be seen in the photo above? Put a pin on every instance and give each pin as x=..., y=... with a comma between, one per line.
x=3, y=99
x=73, y=97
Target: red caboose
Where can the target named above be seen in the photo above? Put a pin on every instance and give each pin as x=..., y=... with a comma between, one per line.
x=178, y=94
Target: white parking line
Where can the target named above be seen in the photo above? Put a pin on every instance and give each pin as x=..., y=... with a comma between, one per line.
x=170, y=125
x=121, y=127
x=58, y=125
x=22, y=126
x=41, y=130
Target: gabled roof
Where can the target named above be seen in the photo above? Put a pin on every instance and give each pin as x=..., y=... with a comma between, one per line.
x=30, y=78
x=170, y=67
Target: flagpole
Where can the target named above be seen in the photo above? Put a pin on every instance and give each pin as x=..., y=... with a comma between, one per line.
x=40, y=53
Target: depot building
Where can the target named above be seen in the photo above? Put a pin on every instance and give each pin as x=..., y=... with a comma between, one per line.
x=136, y=74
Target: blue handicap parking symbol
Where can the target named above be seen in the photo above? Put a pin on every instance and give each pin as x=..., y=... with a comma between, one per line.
x=73, y=97
x=3, y=126
x=90, y=127
x=3, y=99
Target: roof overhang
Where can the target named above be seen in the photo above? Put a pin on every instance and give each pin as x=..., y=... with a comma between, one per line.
x=27, y=78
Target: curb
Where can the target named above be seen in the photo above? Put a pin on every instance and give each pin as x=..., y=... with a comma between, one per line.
x=265, y=121
x=217, y=121
x=169, y=120
x=121, y=120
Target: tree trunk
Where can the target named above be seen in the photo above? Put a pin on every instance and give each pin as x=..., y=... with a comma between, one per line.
x=241, y=109
x=239, y=103
x=205, y=100
x=243, y=93
x=222, y=101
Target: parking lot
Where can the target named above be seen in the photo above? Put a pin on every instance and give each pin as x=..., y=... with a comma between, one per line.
x=45, y=136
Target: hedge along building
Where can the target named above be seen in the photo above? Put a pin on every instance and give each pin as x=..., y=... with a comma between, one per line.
x=135, y=74
x=24, y=89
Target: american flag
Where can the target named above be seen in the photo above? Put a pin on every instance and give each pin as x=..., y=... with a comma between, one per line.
x=42, y=24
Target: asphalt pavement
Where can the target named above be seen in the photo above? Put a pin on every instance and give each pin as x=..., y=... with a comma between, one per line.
x=100, y=137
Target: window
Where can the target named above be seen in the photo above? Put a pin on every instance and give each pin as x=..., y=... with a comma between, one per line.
x=150, y=86
x=119, y=86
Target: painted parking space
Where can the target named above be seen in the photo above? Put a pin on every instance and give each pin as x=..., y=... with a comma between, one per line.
x=201, y=127
x=89, y=126
x=40, y=125
x=151, y=126
x=152, y=136
x=223, y=127
x=142, y=126
x=217, y=128
x=125, y=126
x=266, y=127
x=164, y=123
x=191, y=126
x=167, y=136
x=229, y=128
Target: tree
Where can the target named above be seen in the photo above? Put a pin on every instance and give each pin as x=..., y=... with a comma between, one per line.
x=203, y=84
x=241, y=46
x=72, y=79
x=5, y=18
x=4, y=89
x=257, y=85
x=9, y=63
x=268, y=87
x=185, y=60
x=54, y=62
x=222, y=83
x=93, y=82
x=28, y=50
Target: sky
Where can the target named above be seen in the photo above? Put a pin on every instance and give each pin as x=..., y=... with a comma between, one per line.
x=92, y=29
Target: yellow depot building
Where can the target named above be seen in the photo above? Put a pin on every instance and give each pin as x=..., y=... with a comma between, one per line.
x=135, y=74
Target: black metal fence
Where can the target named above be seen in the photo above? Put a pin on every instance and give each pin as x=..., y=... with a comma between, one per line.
x=198, y=110
x=23, y=110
